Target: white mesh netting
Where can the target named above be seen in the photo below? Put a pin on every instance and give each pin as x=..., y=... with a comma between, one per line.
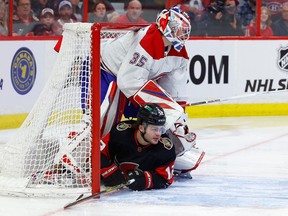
x=50, y=155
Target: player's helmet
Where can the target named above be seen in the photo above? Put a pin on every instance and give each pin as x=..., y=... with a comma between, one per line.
x=151, y=114
x=175, y=26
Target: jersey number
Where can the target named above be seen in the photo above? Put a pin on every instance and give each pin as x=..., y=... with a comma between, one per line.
x=169, y=170
x=138, y=60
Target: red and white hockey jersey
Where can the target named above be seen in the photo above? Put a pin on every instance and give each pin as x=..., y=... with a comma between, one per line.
x=139, y=56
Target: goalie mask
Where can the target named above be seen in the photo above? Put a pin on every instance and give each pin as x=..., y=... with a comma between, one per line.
x=175, y=26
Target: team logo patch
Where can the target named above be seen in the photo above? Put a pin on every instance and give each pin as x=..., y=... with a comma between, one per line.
x=283, y=58
x=167, y=143
x=23, y=71
x=274, y=7
x=123, y=126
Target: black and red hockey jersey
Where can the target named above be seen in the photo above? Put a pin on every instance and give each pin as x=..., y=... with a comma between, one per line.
x=121, y=147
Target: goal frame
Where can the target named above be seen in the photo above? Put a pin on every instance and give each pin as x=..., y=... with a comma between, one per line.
x=96, y=103
x=95, y=110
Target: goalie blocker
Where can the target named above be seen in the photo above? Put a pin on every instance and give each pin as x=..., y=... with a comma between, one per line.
x=188, y=155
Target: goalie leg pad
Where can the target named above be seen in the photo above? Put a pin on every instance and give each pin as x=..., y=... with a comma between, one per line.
x=109, y=117
x=106, y=80
x=188, y=155
x=112, y=108
x=112, y=102
x=151, y=92
x=188, y=161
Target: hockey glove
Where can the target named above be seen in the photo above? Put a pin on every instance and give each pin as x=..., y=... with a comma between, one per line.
x=111, y=175
x=143, y=180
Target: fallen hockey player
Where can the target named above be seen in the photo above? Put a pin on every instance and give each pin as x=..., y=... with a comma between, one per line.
x=139, y=150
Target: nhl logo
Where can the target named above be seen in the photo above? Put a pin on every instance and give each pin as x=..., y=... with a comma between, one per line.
x=283, y=58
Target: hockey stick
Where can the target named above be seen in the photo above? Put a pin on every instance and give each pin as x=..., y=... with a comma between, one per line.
x=234, y=97
x=107, y=191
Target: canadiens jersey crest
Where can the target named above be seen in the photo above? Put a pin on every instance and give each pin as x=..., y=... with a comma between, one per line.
x=123, y=126
x=167, y=143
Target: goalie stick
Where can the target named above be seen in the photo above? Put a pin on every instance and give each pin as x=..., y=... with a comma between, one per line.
x=106, y=191
x=233, y=98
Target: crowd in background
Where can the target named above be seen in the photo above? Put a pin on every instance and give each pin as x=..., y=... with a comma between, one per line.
x=207, y=17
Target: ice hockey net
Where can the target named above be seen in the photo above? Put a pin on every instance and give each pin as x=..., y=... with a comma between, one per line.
x=56, y=150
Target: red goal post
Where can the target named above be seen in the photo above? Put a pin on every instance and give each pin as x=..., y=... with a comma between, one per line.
x=56, y=151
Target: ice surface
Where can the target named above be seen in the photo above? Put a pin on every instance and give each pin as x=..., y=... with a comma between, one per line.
x=244, y=173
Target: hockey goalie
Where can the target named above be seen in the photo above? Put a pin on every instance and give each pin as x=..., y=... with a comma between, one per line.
x=150, y=66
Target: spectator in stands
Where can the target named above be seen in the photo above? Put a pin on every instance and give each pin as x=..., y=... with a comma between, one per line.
x=220, y=20
x=280, y=26
x=265, y=28
x=98, y=14
x=112, y=14
x=65, y=12
x=24, y=20
x=194, y=9
x=246, y=12
x=3, y=19
x=77, y=11
x=54, y=5
x=151, y=8
x=274, y=7
x=37, y=6
x=45, y=27
x=133, y=13
x=191, y=6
